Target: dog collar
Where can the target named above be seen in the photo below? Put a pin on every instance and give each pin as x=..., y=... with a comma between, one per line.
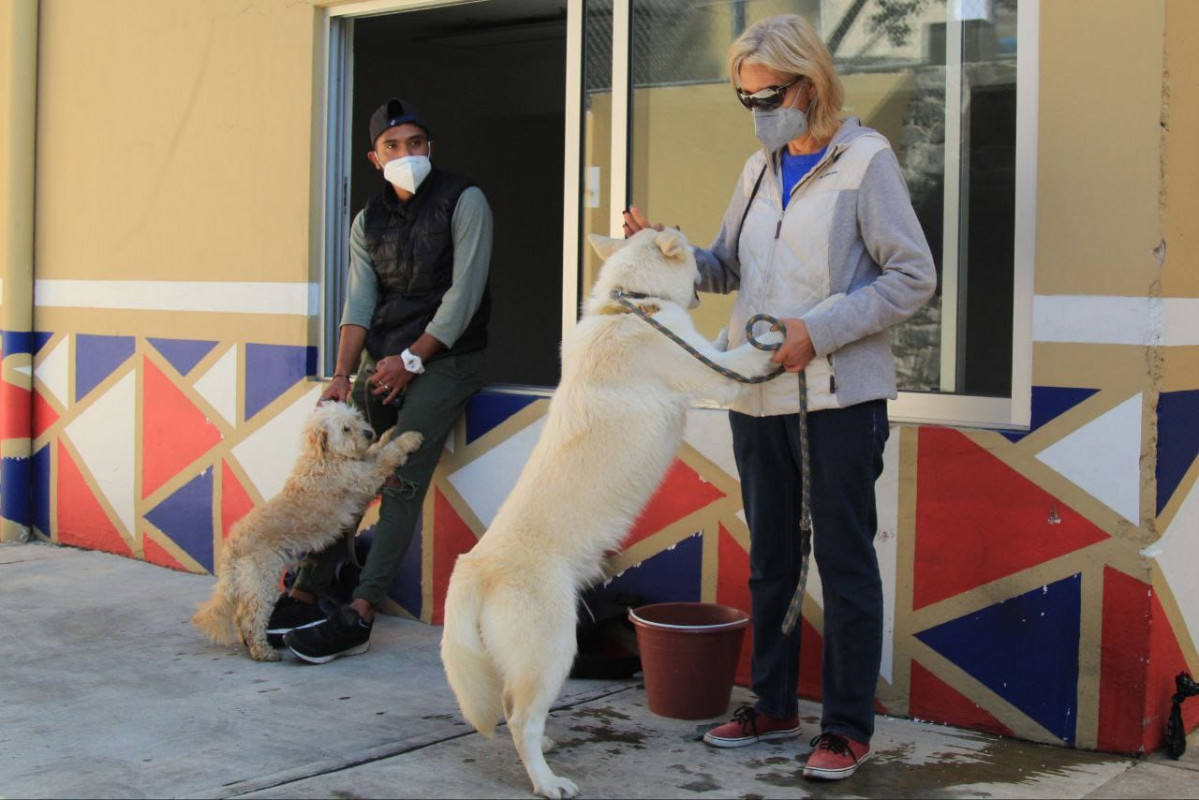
x=625, y=306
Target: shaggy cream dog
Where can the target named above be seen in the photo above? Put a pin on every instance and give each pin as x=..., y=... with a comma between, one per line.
x=337, y=473
x=614, y=425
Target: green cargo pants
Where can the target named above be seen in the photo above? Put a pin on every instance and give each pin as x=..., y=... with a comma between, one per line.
x=432, y=404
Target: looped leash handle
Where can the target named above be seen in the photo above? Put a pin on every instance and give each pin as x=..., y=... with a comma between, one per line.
x=775, y=325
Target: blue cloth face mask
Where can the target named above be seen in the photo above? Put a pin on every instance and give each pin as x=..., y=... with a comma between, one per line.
x=778, y=126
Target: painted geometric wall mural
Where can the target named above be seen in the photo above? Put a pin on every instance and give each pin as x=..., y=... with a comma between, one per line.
x=1006, y=566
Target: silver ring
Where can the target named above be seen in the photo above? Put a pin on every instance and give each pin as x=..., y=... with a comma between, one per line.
x=386, y=387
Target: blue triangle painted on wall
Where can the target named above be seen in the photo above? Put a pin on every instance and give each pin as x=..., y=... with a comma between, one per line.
x=41, y=490
x=1025, y=649
x=1177, y=440
x=183, y=354
x=672, y=575
x=97, y=357
x=186, y=517
x=486, y=410
x=13, y=342
x=272, y=369
x=39, y=340
x=1050, y=402
x=17, y=497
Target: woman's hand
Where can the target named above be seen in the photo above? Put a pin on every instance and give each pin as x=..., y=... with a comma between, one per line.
x=338, y=389
x=797, y=350
x=635, y=221
x=390, y=379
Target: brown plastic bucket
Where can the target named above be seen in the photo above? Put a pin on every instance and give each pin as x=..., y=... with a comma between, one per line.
x=689, y=654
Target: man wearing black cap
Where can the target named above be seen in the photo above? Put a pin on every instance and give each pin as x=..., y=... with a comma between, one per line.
x=418, y=305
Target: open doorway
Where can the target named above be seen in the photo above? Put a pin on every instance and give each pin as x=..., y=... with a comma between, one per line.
x=490, y=78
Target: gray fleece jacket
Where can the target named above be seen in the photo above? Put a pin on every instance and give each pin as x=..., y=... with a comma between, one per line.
x=848, y=229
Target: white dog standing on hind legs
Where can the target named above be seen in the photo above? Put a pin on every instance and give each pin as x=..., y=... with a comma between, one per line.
x=336, y=475
x=614, y=425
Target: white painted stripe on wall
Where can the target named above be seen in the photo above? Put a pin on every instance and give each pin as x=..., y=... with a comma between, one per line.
x=236, y=297
x=1093, y=319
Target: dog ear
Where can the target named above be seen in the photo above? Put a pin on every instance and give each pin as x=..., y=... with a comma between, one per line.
x=604, y=245
x=671, y=244
x=318, y=441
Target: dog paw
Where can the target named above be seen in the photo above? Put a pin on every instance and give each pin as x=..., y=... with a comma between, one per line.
x=410, y=441
x=387, y=436
x=266, y=653
x=770, y=338
x=557, y=788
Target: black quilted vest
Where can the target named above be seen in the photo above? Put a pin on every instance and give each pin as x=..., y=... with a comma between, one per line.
x=411, y=247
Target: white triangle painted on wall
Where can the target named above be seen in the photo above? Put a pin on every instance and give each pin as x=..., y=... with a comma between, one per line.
x=53, y=370
x=1103, y=458
x=709, y=433
x=105, y=437
x=219, y=386
x=485, y=482
x=269, y=453
x=1177, y=552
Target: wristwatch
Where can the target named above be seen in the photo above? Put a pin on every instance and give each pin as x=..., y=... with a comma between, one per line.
x=412, y=362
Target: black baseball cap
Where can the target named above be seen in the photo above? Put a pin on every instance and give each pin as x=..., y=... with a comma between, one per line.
x=395, y=112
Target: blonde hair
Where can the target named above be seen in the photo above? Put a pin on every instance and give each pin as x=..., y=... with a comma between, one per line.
x=789, y=44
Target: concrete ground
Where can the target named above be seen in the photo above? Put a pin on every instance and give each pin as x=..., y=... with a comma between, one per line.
x=107, y=691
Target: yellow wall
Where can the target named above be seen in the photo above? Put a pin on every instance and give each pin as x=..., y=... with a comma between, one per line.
x=1180, y=221
x=1099, y=146
x=175, y=142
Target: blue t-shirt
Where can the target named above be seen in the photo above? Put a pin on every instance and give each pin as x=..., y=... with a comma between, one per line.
x=795, y=167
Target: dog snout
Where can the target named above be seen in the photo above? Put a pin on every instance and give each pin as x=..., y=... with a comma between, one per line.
x=369, y=433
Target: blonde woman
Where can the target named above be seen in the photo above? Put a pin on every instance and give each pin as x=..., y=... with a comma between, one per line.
x=820, y=212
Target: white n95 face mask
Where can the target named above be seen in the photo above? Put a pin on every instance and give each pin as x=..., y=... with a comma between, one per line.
x=408, y=172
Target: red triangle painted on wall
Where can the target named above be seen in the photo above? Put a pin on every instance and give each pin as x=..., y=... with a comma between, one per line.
x=931, y=698
x=44, y=415
x=1139, y=658
x=1166, y=660
x=451, y=538
x=732, y=589
x=235, y=500
x=174, y=432
x=81, y=519
x=978, y=520
x=681, y=492
x=157, y=554
x=1123, y=649
x=14, y=411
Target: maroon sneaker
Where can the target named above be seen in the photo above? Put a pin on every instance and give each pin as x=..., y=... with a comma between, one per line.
x=835, y=757
x=750, y=727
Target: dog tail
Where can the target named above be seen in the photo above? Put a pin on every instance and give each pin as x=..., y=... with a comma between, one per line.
x=215, y=617
x=471, y=673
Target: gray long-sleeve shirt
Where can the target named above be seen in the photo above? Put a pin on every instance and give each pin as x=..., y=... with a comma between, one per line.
x=471, y=230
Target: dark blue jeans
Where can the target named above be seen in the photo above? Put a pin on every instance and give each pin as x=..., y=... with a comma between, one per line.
x=846, y=456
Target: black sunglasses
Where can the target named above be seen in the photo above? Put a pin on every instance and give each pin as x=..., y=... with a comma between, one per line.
x=769, y=98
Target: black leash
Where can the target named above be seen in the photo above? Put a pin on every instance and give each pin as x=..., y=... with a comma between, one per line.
x=791, y=619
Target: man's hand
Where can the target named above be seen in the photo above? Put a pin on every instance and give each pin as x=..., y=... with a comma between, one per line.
x=390, y=379
x=338, y=389
x=797, y=350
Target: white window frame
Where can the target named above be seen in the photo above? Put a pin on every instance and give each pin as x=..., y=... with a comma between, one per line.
x=335, y=98
x=911, y=407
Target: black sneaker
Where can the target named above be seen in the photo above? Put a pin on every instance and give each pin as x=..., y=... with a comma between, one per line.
x=290, y=614
x=343, y=634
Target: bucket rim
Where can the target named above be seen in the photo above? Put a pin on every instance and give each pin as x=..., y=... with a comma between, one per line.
x=716, y=626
